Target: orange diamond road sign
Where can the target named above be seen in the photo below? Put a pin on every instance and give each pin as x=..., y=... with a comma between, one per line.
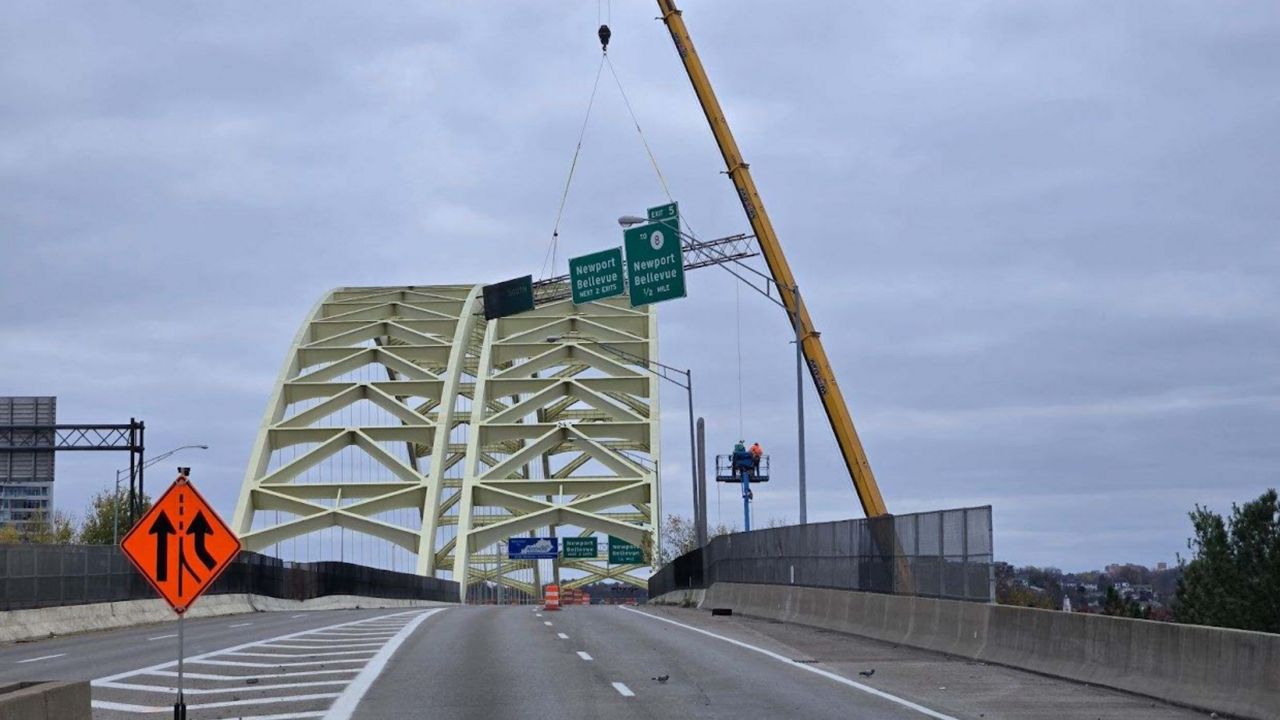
x=181, y=545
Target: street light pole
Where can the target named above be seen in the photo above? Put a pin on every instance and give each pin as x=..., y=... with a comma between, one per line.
x=115, y=500
x=688, y=387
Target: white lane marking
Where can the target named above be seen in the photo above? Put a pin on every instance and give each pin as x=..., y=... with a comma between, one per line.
x=547, y=623
x=817, y=671
x=203, y=657
x=583, y=655
x=537, y=614
x=162, y=637
x=291, y=617
x=345, y=706
x=234, y=663
x=246, y=653
x=241, y=625
x=240, y=678
x=210, y=691
x=320, y=647
x=623, y=690
x=42, y=657
x=562, y=636
x=127, y=707
x=282, y=716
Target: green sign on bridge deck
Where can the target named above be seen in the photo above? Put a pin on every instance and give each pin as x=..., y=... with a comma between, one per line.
x=622, y=552
x=655, y=258
x=581, y=548
x=596, y=276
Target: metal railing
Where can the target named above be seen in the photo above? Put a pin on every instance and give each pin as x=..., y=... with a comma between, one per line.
x=36, y=576
x=943, y=554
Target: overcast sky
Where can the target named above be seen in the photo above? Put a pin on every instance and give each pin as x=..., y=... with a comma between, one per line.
x=1039, y=239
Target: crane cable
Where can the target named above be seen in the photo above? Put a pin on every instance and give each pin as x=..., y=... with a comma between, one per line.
x=550, y=259
x=644, y=141
x=604, y=34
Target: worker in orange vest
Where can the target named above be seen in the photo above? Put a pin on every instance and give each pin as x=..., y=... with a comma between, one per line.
x=756, y=452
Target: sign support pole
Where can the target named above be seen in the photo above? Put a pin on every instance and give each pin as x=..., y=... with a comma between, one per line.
x=180, y=707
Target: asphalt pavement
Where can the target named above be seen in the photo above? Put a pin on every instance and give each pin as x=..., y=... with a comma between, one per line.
x=522, y=662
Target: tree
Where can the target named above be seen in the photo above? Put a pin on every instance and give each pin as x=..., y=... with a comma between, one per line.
x=1233, y=578
x=680, y=535
x=9, y=535
x=100, y=517
x=48, y=529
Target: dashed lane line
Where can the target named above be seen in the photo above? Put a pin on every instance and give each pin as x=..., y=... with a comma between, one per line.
x=623, y=690
x=562, y=636
x=38, y=659
x=809, y=668
x=162, y=637
x=584, y=656
x=239, y=625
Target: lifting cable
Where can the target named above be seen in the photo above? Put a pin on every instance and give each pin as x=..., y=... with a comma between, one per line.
x=604, y=34
x=549, y=261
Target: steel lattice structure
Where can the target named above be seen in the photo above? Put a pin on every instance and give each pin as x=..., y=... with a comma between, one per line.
x=403, y=415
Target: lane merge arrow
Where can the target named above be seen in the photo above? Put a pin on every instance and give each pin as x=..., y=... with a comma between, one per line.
x=162, y=528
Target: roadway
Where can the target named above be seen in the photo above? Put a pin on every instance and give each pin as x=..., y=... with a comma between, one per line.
x=517, y=662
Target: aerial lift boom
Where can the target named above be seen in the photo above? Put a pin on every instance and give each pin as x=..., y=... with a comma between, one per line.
x=824, y=379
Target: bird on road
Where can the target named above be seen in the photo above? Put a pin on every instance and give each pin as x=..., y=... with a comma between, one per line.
x=662, y=678
x=867, y=673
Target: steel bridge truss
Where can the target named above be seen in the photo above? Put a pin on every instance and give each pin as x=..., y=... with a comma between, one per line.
x=402, y=415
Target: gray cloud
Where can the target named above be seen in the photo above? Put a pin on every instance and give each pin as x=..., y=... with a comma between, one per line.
x=1039, y=240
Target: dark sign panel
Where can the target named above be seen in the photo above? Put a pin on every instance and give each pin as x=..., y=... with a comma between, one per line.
x=508, y=297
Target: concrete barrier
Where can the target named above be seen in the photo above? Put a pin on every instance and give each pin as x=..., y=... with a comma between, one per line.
x=683, y=598
x=1214, y=669
x=45, y=701
x=46, y=622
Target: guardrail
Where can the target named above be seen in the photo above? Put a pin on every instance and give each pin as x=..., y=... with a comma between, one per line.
x=940, y=554
x=39, y=576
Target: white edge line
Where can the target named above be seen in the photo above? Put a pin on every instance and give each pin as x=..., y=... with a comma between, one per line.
x=817, y=671
x=162, y=637
x=345, y=706
x=203, y=656
x=623, y=690
x=42, y=657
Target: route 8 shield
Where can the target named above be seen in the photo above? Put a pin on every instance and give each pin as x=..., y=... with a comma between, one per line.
x=181, y=545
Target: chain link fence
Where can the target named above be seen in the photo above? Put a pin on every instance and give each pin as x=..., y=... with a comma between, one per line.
x=36, y=576
x=942, y=554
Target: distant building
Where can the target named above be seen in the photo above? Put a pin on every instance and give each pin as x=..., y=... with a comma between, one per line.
x=1162, y=566
x=26, y=475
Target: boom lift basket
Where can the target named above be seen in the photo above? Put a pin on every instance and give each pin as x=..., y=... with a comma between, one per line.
x=725, y=474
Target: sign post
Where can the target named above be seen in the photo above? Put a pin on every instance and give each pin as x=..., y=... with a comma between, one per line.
x=596, y=276
x=180, y=546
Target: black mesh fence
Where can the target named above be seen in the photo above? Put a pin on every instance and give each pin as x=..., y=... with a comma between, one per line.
x=36, y=576
x=944, y=554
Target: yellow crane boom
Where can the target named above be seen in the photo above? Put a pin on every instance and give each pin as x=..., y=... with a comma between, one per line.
x=824, y=379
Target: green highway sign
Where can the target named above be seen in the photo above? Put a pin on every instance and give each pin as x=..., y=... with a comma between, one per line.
x=622, y=552
x=508, y=297
x=669, y=213
x=581, y=548
x=596, y=276
x=655, y=262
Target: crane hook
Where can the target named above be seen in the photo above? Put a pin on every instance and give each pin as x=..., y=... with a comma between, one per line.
x=604, y=35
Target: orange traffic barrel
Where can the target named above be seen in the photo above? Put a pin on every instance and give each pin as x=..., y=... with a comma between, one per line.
x=551, y=600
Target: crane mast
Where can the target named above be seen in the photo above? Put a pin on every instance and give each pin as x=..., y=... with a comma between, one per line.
x=824, y=379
